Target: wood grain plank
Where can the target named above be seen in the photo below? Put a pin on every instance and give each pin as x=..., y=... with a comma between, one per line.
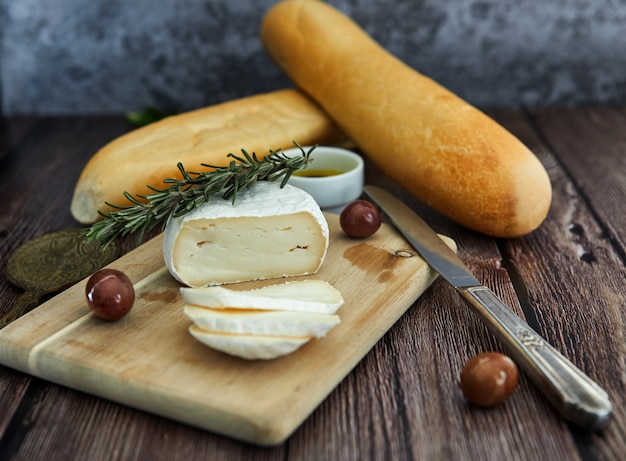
x=13, y=386
x=572, y=273
x=113, y=431
x=590, y=144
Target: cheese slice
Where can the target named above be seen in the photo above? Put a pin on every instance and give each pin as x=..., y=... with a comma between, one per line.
x=269, y=232
x=249, y=346
x=297, y=296
x=259, y=322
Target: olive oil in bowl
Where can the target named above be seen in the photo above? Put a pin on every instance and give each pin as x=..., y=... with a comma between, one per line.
x=334, y=177
x=318, y=173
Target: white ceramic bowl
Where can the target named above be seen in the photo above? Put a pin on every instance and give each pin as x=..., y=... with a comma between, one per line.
x=335, y=176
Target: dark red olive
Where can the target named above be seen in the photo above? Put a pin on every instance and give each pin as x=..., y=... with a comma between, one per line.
x=360, y=219
x=110, y=294
x=489, y=379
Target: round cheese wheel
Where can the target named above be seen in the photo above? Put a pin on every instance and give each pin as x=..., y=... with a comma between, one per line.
x=269, y=232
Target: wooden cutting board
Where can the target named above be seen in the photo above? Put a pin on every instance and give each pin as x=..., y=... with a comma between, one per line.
x=148, y=360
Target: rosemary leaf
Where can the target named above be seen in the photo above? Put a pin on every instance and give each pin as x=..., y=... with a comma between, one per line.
x=193, y=190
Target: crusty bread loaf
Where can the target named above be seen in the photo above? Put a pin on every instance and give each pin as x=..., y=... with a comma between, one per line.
x=150, y=154
x=445, y=152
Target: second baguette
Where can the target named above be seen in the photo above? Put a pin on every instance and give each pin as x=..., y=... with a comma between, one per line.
x=150, y=154
x=444, y=151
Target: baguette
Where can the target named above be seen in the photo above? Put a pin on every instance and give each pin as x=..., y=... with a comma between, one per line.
x=150, y=154
x=444, y=151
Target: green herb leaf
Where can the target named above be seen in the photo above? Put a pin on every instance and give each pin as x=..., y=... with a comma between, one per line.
x=147, y=116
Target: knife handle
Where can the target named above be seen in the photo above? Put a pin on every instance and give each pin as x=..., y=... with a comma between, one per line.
x=576, y=397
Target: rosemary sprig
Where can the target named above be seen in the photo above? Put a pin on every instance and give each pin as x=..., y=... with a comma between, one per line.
x=193, y=190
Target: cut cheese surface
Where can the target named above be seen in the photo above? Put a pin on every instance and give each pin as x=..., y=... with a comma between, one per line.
x=259, y=322
x=250, y=347
x=315, y=296
x=269, y=232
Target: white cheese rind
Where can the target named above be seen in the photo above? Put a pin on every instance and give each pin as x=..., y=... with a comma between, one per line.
x=298, y=296
x=269, y=232
x=249, y=346
x=259, y=322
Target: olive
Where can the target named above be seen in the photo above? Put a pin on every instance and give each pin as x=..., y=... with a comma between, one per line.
x=360, y=219
x=110, y=294
x=489, y=379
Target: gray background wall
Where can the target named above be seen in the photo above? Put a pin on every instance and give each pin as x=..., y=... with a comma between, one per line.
x=110, y=56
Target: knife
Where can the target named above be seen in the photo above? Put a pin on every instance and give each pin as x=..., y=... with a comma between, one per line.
x=574, y=395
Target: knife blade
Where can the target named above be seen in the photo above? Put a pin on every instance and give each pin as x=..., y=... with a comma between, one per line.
x=573, y=394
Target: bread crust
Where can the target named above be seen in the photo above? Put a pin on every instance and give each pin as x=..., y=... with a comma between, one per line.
x=149, y=155
x=441, y=149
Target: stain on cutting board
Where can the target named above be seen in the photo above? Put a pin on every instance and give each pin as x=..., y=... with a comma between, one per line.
x=375, y=260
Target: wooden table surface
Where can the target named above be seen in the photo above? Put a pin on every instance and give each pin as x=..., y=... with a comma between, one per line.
x=402, y=401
